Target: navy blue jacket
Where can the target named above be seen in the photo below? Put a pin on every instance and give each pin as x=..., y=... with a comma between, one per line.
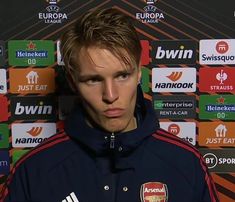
x=82, y=164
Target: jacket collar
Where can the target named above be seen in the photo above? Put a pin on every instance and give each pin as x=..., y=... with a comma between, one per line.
x=98, y=140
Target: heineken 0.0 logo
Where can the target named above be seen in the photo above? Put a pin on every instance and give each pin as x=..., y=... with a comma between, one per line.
x=31, y=53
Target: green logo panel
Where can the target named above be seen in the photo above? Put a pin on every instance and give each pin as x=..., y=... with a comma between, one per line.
x=217, y=107
x=17, y=154
x=145, y=79
x=31, y=52
x=4, y=136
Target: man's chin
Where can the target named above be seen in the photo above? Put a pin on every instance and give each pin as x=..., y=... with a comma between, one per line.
x=115, y=127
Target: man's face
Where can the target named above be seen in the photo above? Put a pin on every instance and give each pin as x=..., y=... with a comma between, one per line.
x=108, y=89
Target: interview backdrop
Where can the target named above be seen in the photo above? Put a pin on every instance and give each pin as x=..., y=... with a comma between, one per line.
x=188, y=71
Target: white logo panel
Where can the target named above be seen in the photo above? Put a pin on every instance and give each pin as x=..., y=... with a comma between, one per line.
x=174, y=79
x=3, y=81
x=31, y=134
x=184, y=130
x=217, y=51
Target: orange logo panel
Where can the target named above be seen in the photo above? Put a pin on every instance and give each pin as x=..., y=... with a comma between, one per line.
x=216, y=134
x=32, y=80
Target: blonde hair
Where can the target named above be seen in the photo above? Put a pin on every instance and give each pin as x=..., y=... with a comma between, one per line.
x=106, y=28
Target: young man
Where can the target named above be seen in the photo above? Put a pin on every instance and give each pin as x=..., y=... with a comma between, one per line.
x=112, y=149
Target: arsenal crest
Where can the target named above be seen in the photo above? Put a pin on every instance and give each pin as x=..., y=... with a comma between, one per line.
x=153, y=192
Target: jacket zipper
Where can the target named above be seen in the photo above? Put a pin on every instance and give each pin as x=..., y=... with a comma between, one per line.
x=112, y=141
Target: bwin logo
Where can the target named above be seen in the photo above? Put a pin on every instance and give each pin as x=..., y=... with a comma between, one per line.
x=181, y=53
x=39, y=109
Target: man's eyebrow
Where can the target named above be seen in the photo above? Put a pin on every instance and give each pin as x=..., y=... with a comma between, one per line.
x=89, y=76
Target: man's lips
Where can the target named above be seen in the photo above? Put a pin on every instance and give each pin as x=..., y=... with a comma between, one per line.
x=114, y=112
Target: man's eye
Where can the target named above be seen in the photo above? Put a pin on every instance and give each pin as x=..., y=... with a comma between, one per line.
x=123, y=76
x=92, y=81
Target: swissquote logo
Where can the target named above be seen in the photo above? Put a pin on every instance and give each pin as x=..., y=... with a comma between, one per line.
x=32, y=80
x=221, y=79
x=184, y=130
x=31, y=134
x=173, y=52
x=53, y=14
x=217, y=51
x=153, y=191
x=33, y=108
x=173, y=79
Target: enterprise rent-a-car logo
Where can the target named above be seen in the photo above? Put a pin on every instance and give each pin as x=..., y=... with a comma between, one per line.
x=217, y=51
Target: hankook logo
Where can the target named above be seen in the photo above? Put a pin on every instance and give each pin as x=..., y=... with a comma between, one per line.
x=35, y=131
x=31, y=134
x=173, y=79
x=175, y=76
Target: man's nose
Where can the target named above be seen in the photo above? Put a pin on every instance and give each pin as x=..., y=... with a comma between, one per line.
x=110, y=92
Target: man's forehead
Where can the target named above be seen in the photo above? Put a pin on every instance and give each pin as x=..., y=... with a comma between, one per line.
x=102, y=58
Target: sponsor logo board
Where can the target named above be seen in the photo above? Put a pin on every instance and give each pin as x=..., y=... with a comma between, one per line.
x=3, y=108
x=4, y=162
x=219, y=160
x=221, y=79
x=31, y=53
x=145, y=59
x=59, y=56
x=217, y=51
x=4, y=136
x=32, y=80
x=33, y=108
x=217, y=107
x=184, y=130
x=174, y=106
x=31, y=134
x=2, y=53
x=174, y=79
x=17, y=154
x=173, y=52
x=145, y=83
x=3, y=81
x=216, y=134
